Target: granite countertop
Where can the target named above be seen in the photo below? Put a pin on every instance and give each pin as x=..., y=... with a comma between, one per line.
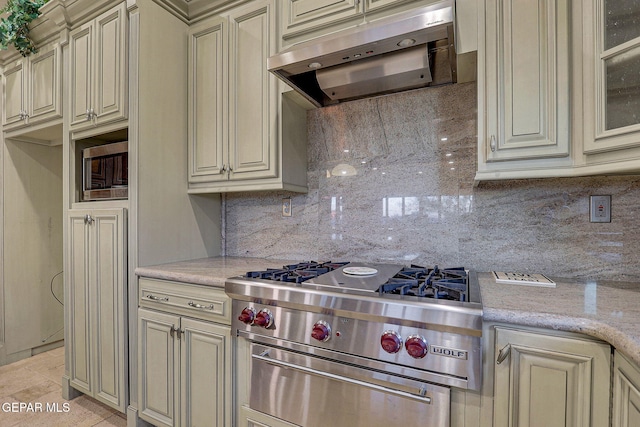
x=208, y=271
x=607, y=310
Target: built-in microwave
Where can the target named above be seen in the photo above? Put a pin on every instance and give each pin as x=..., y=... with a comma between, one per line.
x=105, y=171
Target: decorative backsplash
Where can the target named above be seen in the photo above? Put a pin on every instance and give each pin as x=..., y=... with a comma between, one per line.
x=391, y=180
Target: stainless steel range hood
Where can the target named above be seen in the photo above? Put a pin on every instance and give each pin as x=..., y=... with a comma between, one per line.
x=405, y=51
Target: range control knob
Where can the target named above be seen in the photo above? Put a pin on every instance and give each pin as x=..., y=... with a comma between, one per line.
x=321, y=331
x=247, y=316
x=416, y=346
x=264, y=318
x=391, y=341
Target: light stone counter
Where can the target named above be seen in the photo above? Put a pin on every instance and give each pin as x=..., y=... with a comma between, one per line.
x=607, y=310
x=208, y=271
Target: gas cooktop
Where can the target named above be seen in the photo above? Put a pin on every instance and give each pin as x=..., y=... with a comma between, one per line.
x=356, y=277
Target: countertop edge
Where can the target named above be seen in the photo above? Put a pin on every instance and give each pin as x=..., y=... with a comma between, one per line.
x=596, y=329
x=197, y=279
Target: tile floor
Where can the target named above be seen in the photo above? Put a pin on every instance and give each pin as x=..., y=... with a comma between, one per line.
x=37, y=381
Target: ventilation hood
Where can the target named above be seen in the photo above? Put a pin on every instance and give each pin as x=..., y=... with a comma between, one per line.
x=404, y=51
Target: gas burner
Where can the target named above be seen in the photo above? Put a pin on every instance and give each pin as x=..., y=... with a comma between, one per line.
x=449, y=284
x=296, y=273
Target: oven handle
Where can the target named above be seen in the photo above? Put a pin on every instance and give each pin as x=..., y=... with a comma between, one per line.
x=264, y=356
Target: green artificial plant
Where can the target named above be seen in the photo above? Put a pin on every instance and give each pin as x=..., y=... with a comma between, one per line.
x=14, y=29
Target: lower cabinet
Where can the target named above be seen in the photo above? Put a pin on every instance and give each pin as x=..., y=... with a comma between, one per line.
x=550, y=380
x=626, y=393
x=183, y=362
x=95, y=270
x=251, y=418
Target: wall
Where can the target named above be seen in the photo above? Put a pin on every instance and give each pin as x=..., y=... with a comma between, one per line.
x=412, y=199
x=32, y=247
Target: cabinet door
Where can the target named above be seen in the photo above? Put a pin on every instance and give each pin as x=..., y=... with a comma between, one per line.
x=13, y=80
x=626, y=393
x=108, y=330
x=208, y=94
x=251, y=418
x=158, y=359
x=304, y=15
x=550, y=381
x=110, y=100
x=527, y=80
x=96, y=275
x=98, y=70
x=45, y=84
x=80, y=74
x=205, y=380
x=78, y=313
x=612, y=82
x=253, y=92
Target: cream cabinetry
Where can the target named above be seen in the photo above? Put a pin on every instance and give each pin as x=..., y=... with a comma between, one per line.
x=96, y=270
x=184, y=359
x=251, y=418
x=558, y=89
x=524, y=87
x=98, y=70
x=305, y=19
x=550, y=380
x=305, y=15
x=32, y=89
x=244, y=134
x=612, y=81
x=626, y=392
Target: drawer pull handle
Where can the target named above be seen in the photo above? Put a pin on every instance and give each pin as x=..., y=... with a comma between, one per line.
x=196, y=305
x=155, y=298
x=503, y=354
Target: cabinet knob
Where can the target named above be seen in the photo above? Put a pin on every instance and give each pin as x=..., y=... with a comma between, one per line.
x=493, y=143
x=88, y=219
x=223, y=170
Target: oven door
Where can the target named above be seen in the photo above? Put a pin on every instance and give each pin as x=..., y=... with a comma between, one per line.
x=317, y=392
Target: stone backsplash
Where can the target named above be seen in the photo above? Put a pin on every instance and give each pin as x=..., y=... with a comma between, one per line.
x=391, y=180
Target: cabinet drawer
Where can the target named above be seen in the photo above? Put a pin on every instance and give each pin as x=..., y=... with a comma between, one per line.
x=201, y=302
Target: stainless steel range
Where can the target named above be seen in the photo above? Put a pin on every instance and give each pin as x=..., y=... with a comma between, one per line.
x=358, y=344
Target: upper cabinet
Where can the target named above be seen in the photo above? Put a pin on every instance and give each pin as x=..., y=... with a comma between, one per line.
x=304, y=15
x=306, y=19
x=524, y=86
x=32, y=89
x=244, y=133
x=612, y=75
x=98, y=70
x=558, y=88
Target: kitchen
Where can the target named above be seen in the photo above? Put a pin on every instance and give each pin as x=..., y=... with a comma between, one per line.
x=401, y=201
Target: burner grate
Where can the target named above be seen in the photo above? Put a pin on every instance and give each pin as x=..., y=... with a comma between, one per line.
x=449, y=284
x=296, y=273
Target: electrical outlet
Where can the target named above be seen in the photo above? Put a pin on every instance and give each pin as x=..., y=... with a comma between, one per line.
x=286, y=206
x=600, y=208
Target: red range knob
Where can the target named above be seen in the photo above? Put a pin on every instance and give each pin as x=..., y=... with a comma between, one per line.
x=247, y=316
x=264, y=318
x=321, y=331
x=416, y=346
x=391, y=342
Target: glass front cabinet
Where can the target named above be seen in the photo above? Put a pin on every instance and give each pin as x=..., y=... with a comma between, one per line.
x=612, y=75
